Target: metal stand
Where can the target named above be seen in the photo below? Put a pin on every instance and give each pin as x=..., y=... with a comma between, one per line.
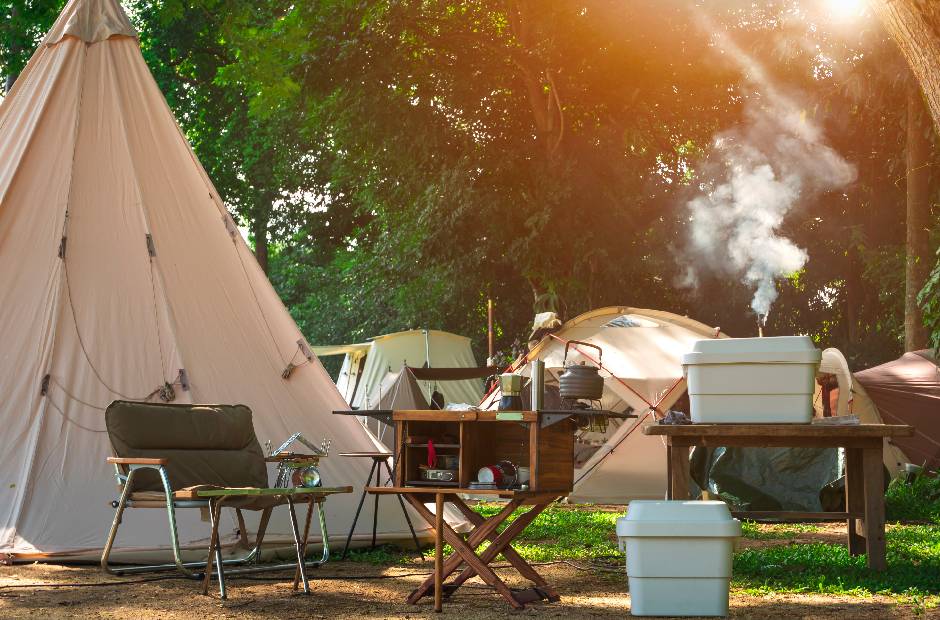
x=377, y=459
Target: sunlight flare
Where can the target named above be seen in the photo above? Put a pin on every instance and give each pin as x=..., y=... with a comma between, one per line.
x=846, y=9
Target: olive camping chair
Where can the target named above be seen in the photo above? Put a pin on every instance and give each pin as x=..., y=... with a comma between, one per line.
x=177, y=456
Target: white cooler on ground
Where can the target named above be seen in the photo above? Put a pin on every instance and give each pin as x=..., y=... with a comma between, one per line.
x=752, y=380
x=678, y=557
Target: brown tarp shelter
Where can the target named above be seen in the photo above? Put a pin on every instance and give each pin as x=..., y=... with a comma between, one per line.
x=907, y=391
x=122, y=276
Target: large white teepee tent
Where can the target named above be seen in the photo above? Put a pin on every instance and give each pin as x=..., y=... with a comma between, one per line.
x=122, y=272
x=642, y=353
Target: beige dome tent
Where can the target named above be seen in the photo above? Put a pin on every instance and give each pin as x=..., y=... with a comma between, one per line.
x=642, y=351
x=123, y=276
x=366, y=365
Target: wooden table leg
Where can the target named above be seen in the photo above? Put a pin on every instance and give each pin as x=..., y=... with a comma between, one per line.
x=467, y=554
x=438, y=552
x=501, y=544
x=873, y=473
x=215, y=549
x=854, y=498
x=669, y=468
x=476, y=537
x=679, y=470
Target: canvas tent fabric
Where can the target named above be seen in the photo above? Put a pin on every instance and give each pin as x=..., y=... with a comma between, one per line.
x=907, y=391
x=365, y=366
x=119, y=266
x=397, y=391
x=642, y=351
x=854, y=400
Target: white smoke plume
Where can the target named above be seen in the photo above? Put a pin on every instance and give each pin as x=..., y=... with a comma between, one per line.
x=755, y=175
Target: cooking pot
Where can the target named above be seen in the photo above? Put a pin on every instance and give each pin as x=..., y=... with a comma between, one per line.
x=580, y=381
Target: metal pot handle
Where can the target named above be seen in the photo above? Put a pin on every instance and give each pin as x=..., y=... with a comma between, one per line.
x=600, y=351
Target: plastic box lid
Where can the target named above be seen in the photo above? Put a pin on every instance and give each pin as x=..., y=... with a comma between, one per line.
x=678, y=518
x=770, y=350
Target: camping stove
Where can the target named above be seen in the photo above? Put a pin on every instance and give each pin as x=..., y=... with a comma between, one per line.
x=587, y=422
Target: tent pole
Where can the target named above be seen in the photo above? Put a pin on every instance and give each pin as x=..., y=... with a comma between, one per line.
x=489, y=331
x=427, y=357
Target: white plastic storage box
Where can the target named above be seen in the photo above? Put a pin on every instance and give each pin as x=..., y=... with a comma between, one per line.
x=678, y=557
x=752, y=380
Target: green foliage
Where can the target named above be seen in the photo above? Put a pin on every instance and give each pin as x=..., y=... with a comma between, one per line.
x=22, y=24
x=397, y=163
x=929, y=300
x=917, y=500
x=474, y=148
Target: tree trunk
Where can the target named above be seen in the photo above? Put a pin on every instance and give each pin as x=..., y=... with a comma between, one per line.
x=259, y=230
x=914, y=28
x=919, y=258
x=541, y=90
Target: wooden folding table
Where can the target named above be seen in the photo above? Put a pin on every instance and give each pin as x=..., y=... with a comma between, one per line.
x=542, y=441
x=864, y=470
x=484, y=529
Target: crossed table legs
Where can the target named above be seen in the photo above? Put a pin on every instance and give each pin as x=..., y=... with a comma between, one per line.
x=465, y=550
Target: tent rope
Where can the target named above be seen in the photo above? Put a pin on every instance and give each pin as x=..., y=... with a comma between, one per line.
x=254, y=296
x=87, y=356
x=156, y=319
x=291, y=366
x=166, y=392
x=65, y=417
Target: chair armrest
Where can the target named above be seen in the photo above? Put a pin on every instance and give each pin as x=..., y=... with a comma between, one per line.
x=115, y=460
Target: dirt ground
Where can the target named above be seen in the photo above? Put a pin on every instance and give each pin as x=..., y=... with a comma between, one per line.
x=356, y=590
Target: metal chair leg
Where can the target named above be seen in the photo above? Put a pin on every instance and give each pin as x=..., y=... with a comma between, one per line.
x=362, y=500
x=118, y=515
x=220, y=565
x=324, y=535
x=404, y=510
x=301, y=565
x=171, y=518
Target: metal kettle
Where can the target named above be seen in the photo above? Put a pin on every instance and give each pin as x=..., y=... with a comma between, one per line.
x=580, y=381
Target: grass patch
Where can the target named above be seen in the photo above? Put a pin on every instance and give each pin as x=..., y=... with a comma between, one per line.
x=559, y=533
x=563, y=533
x=913, y=567
x=588, y=534
x=918, y=500
x=776, y=531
